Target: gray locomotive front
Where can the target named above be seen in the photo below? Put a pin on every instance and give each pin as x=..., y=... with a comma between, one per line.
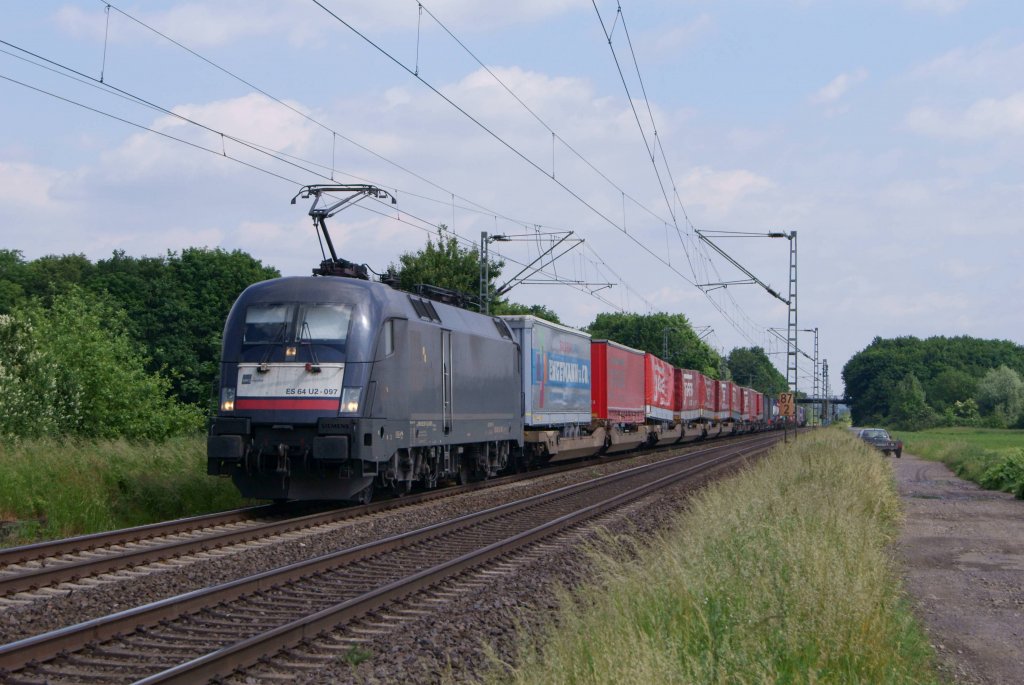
x=332, y=386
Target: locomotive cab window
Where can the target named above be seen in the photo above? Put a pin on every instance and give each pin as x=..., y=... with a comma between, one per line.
x=266, y=323
x=328, y=322
x=276, y=324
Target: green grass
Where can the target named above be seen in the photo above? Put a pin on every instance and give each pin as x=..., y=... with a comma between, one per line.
x=54, y=489
x=783, y=574
x=991, y=457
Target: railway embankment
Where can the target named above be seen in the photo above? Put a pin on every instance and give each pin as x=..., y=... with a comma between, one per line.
x=58, y=488
x=783, y=574
x=420, y=634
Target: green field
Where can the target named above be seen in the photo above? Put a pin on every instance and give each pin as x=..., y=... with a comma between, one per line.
x=783, y=574
x=54, y=489
x=991, y=457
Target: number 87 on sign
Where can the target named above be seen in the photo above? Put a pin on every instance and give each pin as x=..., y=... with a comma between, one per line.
x=786, y=404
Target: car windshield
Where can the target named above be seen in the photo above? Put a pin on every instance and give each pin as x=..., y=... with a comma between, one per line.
x=874, y=433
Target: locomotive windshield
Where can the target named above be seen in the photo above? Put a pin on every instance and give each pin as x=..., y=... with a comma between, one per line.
x=270, y=324
x=325, y=322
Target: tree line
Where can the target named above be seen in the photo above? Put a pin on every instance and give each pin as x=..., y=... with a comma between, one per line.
x=130, y=346
x=913, y=384
x=124, y=346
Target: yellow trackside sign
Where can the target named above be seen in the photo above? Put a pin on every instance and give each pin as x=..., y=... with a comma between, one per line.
x=787, y=405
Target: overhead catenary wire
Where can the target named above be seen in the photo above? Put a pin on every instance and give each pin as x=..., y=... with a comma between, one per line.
x=143, y=127
x=307, y=166
x=480, y=208
x=699, y=248
x=278, y=155
x=415, y=73
x=512, y=148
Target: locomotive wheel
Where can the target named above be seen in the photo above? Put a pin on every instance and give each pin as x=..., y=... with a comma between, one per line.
x=465, y=472
x=365, y=495
x=401, y=488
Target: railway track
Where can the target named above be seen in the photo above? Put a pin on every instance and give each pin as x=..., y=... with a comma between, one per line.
x=33, y=567
x=211, y=632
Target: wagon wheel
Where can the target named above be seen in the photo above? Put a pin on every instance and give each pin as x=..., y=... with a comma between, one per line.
x=465, y=471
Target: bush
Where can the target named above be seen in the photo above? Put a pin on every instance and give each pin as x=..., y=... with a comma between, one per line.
x=72, y=369
x=1006, y=475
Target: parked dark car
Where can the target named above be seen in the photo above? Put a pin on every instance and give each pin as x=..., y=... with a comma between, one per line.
x=880, y=439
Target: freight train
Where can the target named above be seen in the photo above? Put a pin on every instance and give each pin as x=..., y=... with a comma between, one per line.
x=335, y=388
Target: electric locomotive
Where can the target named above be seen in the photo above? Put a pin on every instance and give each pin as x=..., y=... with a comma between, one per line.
x=331, y=386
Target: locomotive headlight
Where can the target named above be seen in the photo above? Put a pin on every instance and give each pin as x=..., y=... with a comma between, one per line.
x=350, y=400
x=289, y=352
x=227, y=399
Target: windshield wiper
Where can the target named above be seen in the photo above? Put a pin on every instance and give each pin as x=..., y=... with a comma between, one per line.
x=277, y=340
x=314, y=365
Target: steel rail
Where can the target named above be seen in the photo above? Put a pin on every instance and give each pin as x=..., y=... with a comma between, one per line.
x=82, y=543
x=59, y=571
x=249, y=651
x=15, y=655
x=63, y=571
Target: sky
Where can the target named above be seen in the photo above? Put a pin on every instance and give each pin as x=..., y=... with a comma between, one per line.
x=888, y=134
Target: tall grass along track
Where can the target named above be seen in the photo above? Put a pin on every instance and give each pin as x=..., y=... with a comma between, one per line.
x=31, y=567
x=251, y=618
x=784, y=574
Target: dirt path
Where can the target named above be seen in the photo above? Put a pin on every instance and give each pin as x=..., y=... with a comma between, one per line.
x=963, y=550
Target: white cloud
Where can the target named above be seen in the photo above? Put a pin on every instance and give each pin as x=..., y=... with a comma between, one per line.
x=937, y=6
x=206, y=25
x=27, y=186
x=476, y=15
x=720, y=192
x=197, y=24
x=988, y=62
x=674, y=38
x=838, y=87
x=749, y=139
x=254, y=118
x=963, y=270
x=79, y=23
x=987, y=118
x=543, y=94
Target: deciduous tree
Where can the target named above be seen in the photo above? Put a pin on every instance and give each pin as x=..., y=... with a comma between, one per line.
x=651, y=332
x=751, y=367
x=1001, y=396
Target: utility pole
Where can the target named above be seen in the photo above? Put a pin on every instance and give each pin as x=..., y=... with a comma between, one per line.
x=828, y=396
x=791, y=330
x=816, y=385
x=485, y=274
x=792, y=348
x=664, y=342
